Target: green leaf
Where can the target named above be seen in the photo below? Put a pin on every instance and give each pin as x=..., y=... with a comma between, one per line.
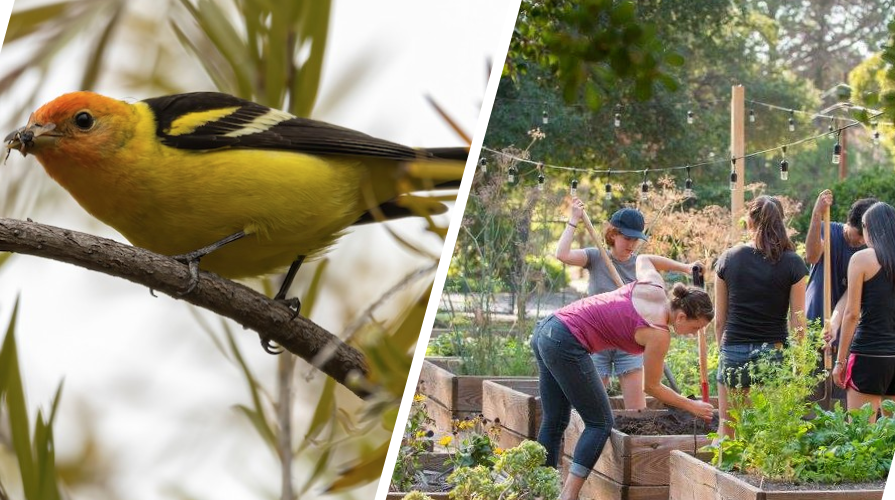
x=674, y=59
x=26, y=22
x=323, y=414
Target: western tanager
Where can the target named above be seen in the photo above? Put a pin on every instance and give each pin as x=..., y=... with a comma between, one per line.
x=243, y=187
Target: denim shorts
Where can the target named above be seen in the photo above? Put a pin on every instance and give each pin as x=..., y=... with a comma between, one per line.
x=616, y=362
x=733, y=365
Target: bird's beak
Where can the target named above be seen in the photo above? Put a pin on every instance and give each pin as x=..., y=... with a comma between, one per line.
x=25, y=139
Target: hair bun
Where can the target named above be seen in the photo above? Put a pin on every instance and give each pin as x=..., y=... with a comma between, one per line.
x=680, y=290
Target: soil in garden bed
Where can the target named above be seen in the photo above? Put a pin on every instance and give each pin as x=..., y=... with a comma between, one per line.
x=769, y=485
x=668, y=424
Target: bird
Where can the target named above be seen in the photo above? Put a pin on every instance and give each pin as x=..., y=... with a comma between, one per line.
x=227, y=185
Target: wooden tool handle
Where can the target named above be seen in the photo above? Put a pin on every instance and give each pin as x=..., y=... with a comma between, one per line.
x=598, y=243
x=828, y=295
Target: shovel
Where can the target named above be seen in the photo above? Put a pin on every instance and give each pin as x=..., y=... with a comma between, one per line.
x=699, y=280
x=828, y=312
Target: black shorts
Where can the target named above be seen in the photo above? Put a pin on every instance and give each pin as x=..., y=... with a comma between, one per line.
x=873, y=375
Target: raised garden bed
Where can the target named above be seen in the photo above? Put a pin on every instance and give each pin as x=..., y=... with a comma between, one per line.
x=452, y=396
x=692, y=478
x=515, y=405
x=634, y=465
x=431, y=465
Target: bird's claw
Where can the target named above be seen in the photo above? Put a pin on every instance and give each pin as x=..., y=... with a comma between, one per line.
x=294, y=305
x=192, y=260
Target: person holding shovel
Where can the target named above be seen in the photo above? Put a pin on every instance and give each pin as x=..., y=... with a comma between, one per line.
x=757, y=285
x=637, y=318
x=622, y=236
x=865, y=364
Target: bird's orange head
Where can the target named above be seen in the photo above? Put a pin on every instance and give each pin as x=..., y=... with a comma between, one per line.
x=79, y=128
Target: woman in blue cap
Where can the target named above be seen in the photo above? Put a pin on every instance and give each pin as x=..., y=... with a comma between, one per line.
x=622, y=236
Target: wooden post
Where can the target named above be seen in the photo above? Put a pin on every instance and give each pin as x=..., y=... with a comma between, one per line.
x=738, y=150
x=828, y=294
x=843, y=159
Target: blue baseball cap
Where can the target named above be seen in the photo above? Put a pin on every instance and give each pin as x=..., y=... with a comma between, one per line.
x=629, y=222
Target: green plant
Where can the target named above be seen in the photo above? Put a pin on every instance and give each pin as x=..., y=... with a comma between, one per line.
x=417, y=439
x=683, y=360
x=774, y=439
x=416, y=495
x=474, y=442
x=517, y=474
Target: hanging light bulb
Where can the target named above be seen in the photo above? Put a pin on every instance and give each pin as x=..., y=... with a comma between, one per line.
x=837, y=152
x=784, y=167
x=573, y=190
x=511, y=177
x=733, y=174
x=483, y=165
x=644, y=188
x=541, y=180
x=830, y=126
x=545, y=119
x=688, y=185
x=875, y=134
x=608, y=187
x=751, y=115
x=689, y=117
x=792, y=120
x=618, y=120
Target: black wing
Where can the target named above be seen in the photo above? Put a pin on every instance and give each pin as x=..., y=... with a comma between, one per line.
x=253, y=126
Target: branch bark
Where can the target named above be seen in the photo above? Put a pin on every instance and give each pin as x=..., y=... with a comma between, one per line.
x=240, y=303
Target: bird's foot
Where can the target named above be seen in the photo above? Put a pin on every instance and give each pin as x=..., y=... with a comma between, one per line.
x=294, y=306
x=192, y=260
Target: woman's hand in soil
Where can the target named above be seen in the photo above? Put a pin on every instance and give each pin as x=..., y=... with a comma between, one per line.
x=702, y=410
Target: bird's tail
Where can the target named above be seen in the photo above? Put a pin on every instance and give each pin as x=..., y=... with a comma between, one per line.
x=439, y=168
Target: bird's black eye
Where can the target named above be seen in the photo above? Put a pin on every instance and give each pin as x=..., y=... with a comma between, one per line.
x=84, y=120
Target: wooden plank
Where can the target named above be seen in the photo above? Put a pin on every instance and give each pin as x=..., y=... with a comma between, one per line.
x=694, y=479
x=516, y=404
x=600, y=487
x=437, y=382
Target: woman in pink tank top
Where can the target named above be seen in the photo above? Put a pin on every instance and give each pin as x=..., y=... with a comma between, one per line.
x=636, y=318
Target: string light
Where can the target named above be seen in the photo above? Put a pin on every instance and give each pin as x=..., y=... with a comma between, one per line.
x=689, y=117
x=688, y=185
x=784, y=167
x=618, y=120
x=733, y=174
x=483, y=165
x=573, y=190
x=608, y=187
x=830, y=126
x=511, y=177
x=875, y=134
x=541, y=177
x=545, y=119
x=644, y=188
x=751, y=115
x=792, y=120
x=837, y=151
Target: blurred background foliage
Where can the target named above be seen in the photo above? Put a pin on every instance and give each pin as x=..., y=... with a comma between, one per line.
x=269, y=52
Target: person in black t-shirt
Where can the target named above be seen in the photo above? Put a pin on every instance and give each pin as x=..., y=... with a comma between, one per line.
x=868, y=325
x=757, y=285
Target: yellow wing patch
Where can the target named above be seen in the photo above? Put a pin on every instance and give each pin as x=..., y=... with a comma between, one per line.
x=189, y=122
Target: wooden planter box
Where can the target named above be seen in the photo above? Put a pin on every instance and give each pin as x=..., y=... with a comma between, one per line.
x=631, y=467
x=428, y=461
x=451, y=396
x=516, y=404
x=694, y=479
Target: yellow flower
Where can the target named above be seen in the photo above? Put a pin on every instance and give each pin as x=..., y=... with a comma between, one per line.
x=498, y=451
x=445, y=441
x=419, y=398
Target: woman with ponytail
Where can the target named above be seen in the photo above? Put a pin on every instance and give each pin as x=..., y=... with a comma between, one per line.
x=758, y=286
x=865, y=364
x=637, y=318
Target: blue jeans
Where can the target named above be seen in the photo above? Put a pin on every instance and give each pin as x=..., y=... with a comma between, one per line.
x=568, y=379
x=736, y=359
x=616, y=362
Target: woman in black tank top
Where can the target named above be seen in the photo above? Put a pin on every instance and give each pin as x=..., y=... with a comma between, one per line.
x=865, y=364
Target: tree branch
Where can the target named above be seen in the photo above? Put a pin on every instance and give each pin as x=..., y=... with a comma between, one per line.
x=247, y=307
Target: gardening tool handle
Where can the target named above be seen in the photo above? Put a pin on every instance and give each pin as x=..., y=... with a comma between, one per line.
x=699, y=280
x=828, y=295
x=598, y=243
